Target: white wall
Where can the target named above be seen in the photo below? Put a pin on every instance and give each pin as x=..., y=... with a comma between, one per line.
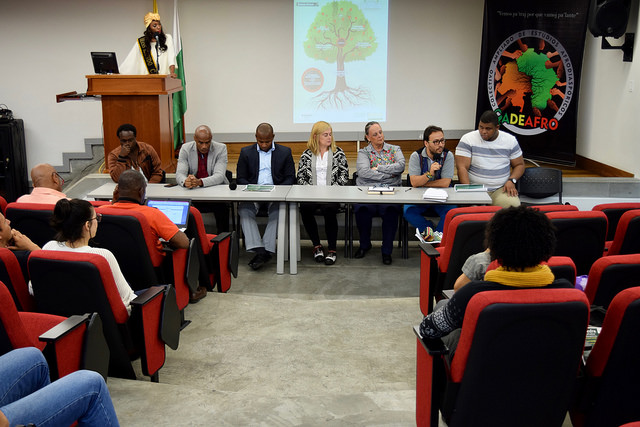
x=238, y=59
x=609, y=113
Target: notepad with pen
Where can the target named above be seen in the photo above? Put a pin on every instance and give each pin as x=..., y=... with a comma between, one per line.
x=380, y=190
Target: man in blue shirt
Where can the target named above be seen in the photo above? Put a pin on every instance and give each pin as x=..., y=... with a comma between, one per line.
x=265, y=163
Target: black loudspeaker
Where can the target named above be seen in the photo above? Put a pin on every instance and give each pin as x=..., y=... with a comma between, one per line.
x=13, y=160
x=608, y=18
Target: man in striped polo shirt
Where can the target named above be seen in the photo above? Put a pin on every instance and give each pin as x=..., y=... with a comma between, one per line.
x=491, y=157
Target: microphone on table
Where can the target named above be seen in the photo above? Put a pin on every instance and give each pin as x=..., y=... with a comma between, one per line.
x=233, y=184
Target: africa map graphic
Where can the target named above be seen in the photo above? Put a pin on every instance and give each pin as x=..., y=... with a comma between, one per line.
x=531, y=82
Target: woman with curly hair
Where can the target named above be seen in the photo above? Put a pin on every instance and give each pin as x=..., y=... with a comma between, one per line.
x=520, y=239
x=153, y=53
x=322, y=163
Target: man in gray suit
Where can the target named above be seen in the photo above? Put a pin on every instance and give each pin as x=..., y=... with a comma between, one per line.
x=202, y=163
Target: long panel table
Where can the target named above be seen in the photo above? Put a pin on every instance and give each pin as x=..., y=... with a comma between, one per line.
x=292, y=195
x=218, y=193
x=353, y=194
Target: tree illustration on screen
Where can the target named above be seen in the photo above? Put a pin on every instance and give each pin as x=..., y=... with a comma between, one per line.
x=340, y=33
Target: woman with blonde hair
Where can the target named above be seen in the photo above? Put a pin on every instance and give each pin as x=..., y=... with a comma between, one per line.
x=322, y=163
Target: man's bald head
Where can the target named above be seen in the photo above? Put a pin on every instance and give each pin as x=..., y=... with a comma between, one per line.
x=202, y=136
x=131, y=184
x=45, y=175
x=204, y=131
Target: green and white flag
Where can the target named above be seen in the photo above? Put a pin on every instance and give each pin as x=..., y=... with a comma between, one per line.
x=179, y=98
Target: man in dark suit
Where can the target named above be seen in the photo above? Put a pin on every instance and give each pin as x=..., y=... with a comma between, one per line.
x=264, y=163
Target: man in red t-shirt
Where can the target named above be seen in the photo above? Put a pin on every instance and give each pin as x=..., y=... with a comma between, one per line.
x=129, y=194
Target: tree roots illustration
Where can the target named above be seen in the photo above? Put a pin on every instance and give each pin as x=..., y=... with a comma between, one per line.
x=341, y=98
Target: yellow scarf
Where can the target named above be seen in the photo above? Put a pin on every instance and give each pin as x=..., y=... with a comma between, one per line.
x=531, y=277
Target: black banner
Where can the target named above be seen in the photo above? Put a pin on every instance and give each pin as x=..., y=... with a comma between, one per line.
x=530, y=73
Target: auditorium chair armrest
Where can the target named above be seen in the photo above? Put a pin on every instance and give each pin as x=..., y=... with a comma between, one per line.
x=448, y=293
x=146, y=324
x=429, y=257
x=90, y=350
x=429, y=250
x=220, y=237
x=169, y=314
x=63, y=328
x=433, y=346
x=147, y=296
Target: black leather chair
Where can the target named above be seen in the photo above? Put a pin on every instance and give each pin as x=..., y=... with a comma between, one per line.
x=218, y=254
x=32, y=220
x=68, y=283
x=539, y=183
x=609, y=276
x=609, y=396
x=516, y=362
x=626, y=239
x=68, y=344
x=580, y=236
x=614, y=211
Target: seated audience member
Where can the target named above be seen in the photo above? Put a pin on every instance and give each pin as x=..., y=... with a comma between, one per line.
x=265, y=163
x=130, y=194
x=18, y=243
x=322, y=163
x=13, y=239
x=28, y=397
x=76, y=223
x=378, y=163
x=430, y=166
x=133, y=154
x=47, y=186
x=520, y=239
x=473, y=268
x=203, y=163
x=491, y=157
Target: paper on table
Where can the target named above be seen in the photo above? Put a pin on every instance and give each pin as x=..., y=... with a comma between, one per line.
x=435, y=194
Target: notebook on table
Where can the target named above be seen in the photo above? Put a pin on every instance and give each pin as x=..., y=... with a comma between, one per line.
x=176, y=210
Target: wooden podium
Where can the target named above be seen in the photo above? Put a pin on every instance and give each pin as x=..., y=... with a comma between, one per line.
x=145, y=102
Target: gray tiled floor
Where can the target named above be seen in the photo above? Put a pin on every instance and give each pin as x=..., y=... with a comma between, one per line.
x=332, y=345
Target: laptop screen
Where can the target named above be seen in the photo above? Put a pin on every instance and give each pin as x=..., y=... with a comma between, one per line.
x=176, y=210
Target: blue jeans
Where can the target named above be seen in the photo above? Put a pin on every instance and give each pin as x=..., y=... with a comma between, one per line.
x=414, y=214
x=27, y=396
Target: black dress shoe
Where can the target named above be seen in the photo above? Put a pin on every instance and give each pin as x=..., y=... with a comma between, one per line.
x=386, y=259
x=259, y=260
x=360, y=253
x=196, y=296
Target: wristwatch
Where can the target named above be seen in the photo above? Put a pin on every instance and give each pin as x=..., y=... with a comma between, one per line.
x=515, y=181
